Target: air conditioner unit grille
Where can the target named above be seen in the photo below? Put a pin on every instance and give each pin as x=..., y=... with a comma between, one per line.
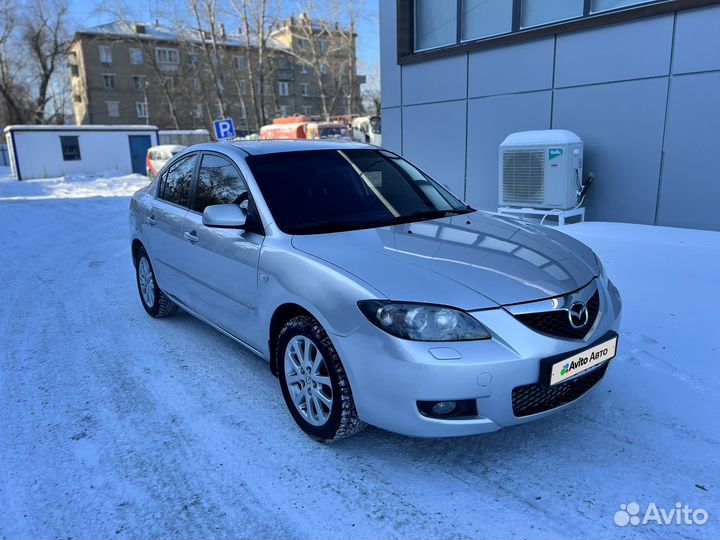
x=524, y=176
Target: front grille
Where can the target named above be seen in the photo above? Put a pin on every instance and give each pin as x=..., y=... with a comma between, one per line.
x=523, y=176
x=557, y=323
x=537, y=398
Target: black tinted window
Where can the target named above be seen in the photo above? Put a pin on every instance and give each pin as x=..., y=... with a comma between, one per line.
x=218, y=183
x=325, y=190
x=175, y=184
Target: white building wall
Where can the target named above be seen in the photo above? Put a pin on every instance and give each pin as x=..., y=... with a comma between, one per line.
x=38, y=154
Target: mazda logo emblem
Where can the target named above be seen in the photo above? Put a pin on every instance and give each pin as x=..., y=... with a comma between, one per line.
x=578, y=315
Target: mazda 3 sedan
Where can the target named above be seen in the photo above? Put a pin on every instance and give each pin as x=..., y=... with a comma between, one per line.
x=376, y=295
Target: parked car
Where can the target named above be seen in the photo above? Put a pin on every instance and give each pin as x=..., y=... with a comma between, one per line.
x=157, y=156
x=367, y=129
x=375, y=295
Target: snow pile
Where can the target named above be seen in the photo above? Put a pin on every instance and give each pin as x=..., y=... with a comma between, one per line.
x=105, y=184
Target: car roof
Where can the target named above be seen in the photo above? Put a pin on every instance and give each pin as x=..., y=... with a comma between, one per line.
x=274, y=146
x=271, y=146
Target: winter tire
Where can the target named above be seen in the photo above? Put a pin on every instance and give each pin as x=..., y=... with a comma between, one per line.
x=313, y=381
x=155, y=302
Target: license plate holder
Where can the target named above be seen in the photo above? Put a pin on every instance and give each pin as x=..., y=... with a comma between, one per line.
x=568, y=366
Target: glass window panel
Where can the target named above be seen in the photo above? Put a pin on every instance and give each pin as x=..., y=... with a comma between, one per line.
x=537, y=12
x=435, y=23
x=604, y=5
x=482, y=18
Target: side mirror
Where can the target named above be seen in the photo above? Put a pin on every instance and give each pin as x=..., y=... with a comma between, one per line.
x=224, y=216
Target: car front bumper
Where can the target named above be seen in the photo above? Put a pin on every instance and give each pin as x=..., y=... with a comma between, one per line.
x=389, y=376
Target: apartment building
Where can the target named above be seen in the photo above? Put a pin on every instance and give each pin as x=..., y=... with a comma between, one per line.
x=130, y=73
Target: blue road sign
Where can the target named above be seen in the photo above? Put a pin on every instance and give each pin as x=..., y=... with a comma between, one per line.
x=224, y=129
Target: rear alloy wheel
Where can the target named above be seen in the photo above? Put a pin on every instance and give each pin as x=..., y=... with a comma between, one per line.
x=155, y=302
x=313, y=381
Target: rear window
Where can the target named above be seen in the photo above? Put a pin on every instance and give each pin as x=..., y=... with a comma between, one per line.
x=175, y=183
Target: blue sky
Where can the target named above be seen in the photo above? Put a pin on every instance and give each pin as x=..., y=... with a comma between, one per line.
x=85, y=14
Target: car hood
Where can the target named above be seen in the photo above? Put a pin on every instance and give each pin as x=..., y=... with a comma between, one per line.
x=473, y=261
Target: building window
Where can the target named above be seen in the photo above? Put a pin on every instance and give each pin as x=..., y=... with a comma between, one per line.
x=283, y=89
x=193, y=59
x=239, y=62
x=303, y=44
x=74, y=71
x=141, y=109
x=435, y=22
x=537, y=12
x=70, y=145
x=139, y=82
x=307, y=110
x=136, y=56
x=284, y=110
x=305, y=89
x=113, y=108
x=108, y=80
x=167, y=58
x=197, y=112
x=483, y=18
x=323, y=44
x=605, y=5
x=323, y=69
x=105, y=55
x=243, y=87
x=77, y=98
x=304, y=68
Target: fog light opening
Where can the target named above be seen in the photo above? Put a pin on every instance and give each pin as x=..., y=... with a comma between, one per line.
x=449, y=410
x=441, y=408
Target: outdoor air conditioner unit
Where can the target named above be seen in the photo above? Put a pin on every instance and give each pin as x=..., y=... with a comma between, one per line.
x=541, y=169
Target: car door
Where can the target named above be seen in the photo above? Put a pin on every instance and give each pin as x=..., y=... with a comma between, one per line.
x=222, y=264
x=164, y=225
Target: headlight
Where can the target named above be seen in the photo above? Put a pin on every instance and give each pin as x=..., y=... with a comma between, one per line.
x=422, y=322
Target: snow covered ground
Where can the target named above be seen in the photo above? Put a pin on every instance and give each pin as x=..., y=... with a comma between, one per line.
x=113, y=424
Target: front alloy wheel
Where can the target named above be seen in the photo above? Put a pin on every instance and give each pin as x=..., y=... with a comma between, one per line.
x=313, y=381
x=308, y=380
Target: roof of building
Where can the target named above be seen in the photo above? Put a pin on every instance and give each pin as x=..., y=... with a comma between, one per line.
x=68, y=127
x=158, y=32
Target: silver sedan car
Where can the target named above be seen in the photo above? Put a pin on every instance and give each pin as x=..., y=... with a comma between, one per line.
x=376, y=296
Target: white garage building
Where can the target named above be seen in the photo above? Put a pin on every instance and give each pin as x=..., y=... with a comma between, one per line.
x=51, y=151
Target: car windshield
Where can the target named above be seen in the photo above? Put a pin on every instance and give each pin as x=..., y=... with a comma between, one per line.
x=320, y=191
x=332, y=132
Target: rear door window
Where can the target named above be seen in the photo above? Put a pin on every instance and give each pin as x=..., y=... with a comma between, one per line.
x=175, y=183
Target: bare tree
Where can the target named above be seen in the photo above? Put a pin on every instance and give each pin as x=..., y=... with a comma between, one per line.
x=159, y=84
x=34, y=44
x=256, y=17
x=325, y=43
x=205, y=11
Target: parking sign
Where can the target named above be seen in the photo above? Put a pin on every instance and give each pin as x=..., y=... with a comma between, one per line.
x=224, y=129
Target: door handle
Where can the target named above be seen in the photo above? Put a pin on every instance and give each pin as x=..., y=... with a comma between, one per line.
x=150, y=220
x=191, y=237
